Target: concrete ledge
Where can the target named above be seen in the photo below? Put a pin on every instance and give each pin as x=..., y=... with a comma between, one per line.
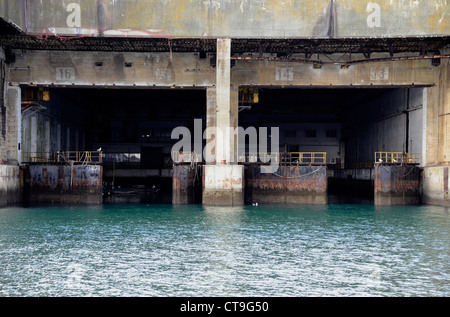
x=10, y=185
x=223, y=198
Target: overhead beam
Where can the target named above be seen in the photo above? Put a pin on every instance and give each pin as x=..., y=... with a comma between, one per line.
x=146, y=70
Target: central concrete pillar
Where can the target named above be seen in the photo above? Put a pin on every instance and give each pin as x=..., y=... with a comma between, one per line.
x=223, y=178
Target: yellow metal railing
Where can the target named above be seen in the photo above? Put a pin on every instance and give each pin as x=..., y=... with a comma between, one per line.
x=305, y=157
x=277, y=157
x=63, y=157
x=289, y=157
x=397, y=157
x=261, y=157
x=38, y=157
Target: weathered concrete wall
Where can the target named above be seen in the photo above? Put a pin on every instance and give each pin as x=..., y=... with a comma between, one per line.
x=397, y=185
x=223, y=184
x=79, y=184
x=436, y=153
x=390, y=122
x=229, y=18
x=289, y=184
x=435, y=185
x=10, y=185
x=186, y=184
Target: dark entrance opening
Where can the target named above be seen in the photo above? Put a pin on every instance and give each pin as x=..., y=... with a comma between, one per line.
x=350, y=125
x=132, y=127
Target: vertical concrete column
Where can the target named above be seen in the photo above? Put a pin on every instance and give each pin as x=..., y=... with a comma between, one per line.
x=211, y=105
x=211, y=123
x=223, y=178
x=3, y=157
x=234, y=121
x=437, y=139
x=444, y=111
x=13, y=125
x=10, y=191
x=223, y=89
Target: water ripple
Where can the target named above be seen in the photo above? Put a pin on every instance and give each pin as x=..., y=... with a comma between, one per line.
x=163, y=250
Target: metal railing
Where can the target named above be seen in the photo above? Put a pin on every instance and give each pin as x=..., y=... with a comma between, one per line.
x=259, y=157
x=397, y=157
x=291, y=158
x=91, y=157
x=304, y=157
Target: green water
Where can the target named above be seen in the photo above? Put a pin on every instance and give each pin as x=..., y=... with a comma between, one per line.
x=166, y=250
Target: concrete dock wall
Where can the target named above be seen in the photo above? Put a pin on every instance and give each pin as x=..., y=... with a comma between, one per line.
x=397, y=185
x=435, y=185
x=223, y=185
x=65, y=184
x=289, y=184
x=10, y=185
x=186, y=184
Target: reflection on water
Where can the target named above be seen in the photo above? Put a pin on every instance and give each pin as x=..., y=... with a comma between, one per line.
x=194, y=250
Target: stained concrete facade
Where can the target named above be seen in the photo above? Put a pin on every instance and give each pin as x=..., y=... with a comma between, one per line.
x=229, y=18
x=222, y=71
